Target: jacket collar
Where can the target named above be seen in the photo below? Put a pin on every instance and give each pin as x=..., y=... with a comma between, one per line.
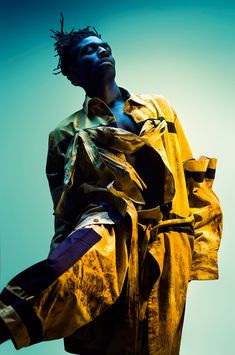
x=135, y=105
x=94, y=105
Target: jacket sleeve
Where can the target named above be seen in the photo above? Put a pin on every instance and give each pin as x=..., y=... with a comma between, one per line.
x=202, y=202
x=205, y=207
x=55, y=176
x=207, y=213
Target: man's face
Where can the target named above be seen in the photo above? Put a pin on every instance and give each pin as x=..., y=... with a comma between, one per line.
x=92, y=61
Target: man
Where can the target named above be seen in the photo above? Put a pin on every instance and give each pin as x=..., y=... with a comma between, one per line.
x=135, y=220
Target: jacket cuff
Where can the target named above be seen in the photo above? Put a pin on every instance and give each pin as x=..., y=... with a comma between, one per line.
x=204, y=266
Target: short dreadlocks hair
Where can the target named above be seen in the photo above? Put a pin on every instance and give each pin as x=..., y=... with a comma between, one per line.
x=64, y=41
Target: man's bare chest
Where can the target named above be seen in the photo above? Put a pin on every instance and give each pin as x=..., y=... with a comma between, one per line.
x=123, y=120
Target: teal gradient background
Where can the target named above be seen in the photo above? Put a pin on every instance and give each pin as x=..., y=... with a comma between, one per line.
x=184, y=50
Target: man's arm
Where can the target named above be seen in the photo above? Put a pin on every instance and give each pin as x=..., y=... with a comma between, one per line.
x=207, y=213
x=205, y=207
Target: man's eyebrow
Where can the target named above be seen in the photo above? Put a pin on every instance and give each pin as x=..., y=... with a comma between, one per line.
x=107, y=45
x=96, y=44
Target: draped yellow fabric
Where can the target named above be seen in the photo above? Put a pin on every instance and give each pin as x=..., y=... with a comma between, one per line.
x=179, y=238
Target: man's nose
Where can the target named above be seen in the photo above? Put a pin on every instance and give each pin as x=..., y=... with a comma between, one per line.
x=103, y=52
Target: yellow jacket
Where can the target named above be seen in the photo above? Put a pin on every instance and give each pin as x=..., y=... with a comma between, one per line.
x=165, y=246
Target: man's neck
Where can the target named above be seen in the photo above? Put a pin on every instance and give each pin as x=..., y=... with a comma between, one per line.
x=109, y=93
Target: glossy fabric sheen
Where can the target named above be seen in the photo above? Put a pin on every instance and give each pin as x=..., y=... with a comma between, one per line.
x=138, y=269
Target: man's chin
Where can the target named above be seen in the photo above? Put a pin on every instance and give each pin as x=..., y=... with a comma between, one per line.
x=106, y=73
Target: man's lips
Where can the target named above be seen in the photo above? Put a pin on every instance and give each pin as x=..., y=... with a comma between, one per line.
x=105, y=62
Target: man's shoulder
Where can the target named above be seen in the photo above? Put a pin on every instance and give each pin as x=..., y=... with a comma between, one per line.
x=156, y=98
x=160, y=103
x=66, y=128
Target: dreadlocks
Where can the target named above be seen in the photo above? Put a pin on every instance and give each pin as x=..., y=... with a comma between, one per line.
x=65, y=41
